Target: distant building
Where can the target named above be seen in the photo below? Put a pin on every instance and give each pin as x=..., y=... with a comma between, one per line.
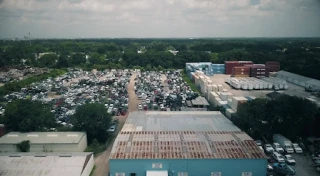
x=45, y=141
x=40, y=55
x=174, y=52
x=184, y=143
x=46, y=164
x=299, y=80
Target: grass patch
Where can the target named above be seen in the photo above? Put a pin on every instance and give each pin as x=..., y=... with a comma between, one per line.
x=95, y=147
x=189, y=81
x=92, y=171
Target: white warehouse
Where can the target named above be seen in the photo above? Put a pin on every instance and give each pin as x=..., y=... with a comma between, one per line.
x=299, y=80
x=45, y=141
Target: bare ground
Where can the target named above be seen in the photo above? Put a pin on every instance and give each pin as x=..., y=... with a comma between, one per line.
x=102, y=160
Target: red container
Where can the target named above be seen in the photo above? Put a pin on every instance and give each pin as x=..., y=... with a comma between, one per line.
x=229, y=65
x=272, y=63
x=273, y=68
x=241, y=69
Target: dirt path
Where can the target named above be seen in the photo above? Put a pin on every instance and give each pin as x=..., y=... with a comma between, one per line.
x=102, y=160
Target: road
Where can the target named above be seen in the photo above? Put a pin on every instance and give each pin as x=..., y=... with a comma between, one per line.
x=102, y=160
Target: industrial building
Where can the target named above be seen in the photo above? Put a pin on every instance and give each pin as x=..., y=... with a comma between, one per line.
x=46, y=164
x=179, y=143
x=45, y=141
x=299, y=80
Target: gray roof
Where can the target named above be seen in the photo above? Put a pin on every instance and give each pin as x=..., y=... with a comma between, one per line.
x=178, y=121
x=46, y=164
x=293, y=76
x=182, y=134
x=43, y=137
x=199, y=101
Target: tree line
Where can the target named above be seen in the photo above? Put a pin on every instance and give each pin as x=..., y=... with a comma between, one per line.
x=301, y=56
x=290, y=116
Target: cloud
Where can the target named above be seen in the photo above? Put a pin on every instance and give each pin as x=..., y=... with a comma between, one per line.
x=160, y=18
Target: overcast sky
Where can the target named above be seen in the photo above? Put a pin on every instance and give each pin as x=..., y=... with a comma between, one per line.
x=159, y=18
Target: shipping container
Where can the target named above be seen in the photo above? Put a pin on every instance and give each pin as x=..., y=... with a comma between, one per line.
x=229, y=113
x=236, y=101
x=273, y=68
x=272, y=63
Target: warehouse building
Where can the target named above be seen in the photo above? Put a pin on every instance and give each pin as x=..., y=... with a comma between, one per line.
x=299, y=80
x=45, y=141
x=178, y=143
x=46, y=164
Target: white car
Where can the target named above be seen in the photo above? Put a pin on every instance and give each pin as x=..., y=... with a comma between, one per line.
x=278, y=147
x=140, y=107
x=278, y=157
x=148, y=101
x=268, y=148
x=289, y=159
x=296, y=148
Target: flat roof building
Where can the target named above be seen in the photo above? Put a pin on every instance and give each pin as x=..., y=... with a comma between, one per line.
x=45, y=141
x=184, y=143
x=46, y=164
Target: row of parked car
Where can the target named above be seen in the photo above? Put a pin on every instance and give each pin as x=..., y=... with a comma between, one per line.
x=279, y=153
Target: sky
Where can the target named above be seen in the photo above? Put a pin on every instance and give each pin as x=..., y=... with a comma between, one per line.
x=159, y=18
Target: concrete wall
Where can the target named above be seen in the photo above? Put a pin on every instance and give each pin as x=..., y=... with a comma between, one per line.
x=89, y=167
x=194, y=167
x=76, y=147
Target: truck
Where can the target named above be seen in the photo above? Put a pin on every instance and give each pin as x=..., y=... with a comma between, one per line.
x=285, y=143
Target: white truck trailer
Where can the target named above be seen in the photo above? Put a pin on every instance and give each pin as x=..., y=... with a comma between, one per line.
x=285, y=143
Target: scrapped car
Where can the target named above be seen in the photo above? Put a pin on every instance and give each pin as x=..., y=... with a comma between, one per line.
x=278, y=147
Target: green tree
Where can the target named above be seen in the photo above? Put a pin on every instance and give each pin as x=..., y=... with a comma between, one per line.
x=94, y=119
x=23, y=146
x=26, y=116
x=290, y=116
x=63, y=62
x=78, y=59
x=48, y=60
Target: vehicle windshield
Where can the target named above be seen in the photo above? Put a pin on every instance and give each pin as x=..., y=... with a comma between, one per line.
x=280, y=157
x=295, y=145
x=268, y=145
x=289, y=157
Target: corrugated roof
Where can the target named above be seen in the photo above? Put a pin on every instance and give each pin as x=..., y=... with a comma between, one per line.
x=42, y=137
x=44, y=164
x=183, y=145
x=178, y=134
x=294, y=76
x=178, y=121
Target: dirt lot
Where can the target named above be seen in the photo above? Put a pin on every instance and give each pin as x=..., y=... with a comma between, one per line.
x=102, y=160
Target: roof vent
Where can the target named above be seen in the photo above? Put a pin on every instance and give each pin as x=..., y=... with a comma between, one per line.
x=40, y=155
x=65, y=155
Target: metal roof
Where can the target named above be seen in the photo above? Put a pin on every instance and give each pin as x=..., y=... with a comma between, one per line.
x=199, y=101
x=44, y=164
x=43, y=137
x=293, y=76
x=178, y=121
x=182, y=135
x=184, y=145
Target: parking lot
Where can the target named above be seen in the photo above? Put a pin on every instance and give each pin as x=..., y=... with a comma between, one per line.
x=304, y=165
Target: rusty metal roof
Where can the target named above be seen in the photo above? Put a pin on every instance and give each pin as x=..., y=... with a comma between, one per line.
x=184, y=144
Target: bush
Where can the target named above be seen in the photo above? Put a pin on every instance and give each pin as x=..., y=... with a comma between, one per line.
x=24, y=146
x=95, y=147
